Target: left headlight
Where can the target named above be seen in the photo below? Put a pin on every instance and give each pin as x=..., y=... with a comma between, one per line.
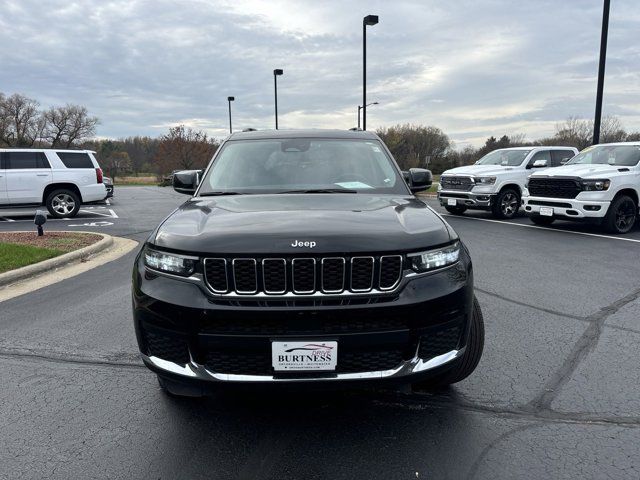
x=433, y=259
x=170, y=262
x=484, y=180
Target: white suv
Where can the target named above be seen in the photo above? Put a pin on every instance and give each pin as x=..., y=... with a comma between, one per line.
x=601, y=184
x=60, y=179
x=496, y=181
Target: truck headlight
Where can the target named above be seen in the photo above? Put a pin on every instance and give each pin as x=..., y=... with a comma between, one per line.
x=595, y=185
x=433, y=259
x=169, y=262
x=485, y=180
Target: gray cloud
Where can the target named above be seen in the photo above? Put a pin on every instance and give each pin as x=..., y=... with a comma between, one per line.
x=472, y=68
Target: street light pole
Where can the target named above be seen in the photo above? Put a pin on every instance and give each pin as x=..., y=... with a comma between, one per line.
x=360, y=108
x=230, y=99
x=603, y=60
x=276, y=73
x=368, y=20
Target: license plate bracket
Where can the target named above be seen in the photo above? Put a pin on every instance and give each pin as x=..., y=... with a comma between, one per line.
x=304, y=356
x=546, y=212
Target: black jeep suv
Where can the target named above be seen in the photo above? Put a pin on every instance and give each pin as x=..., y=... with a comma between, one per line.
x=304, y=257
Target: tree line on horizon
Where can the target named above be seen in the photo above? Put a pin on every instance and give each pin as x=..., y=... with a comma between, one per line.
x=24, y=124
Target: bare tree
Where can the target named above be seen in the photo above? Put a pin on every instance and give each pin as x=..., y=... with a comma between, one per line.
x=184, y=148
x=21, y=121
x=68, y=125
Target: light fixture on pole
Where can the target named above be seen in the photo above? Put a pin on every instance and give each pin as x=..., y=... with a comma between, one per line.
x=369, y=20
x=360, y=108
x=603, y=60
x=276, y=73
x=230, y=99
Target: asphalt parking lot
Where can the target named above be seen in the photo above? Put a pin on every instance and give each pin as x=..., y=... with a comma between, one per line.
x=556, y=394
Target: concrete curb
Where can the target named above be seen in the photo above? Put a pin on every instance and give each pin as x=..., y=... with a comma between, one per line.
x=22, y=273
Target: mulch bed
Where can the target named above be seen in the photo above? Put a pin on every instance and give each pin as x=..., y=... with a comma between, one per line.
x=63, y=241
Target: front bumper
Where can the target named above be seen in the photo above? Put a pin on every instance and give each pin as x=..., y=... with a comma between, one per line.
x=412, y=333
x=466, y=199
x=109, y=190
x=567, y=208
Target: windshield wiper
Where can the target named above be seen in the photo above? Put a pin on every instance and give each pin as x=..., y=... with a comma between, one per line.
x=322, y=190
x=215, y=194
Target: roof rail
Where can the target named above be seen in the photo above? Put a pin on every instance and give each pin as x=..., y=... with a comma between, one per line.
x=249, y=129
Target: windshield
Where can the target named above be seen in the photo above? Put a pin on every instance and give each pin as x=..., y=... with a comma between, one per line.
x=619, y=155
x=506, y=158
x=301, y=164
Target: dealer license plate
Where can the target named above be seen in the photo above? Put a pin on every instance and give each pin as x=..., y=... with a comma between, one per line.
x=451, y=201
x=302, y=356
x=546, y=212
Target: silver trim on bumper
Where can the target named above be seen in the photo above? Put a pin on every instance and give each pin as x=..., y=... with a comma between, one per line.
x=406, y=368
x=470, y=199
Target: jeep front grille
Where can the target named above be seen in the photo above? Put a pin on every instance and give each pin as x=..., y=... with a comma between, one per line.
x=303, y=275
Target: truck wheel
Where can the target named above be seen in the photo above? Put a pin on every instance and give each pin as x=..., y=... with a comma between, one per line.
x=542, y=221
x=455, y=210
x=506, y=205
x=466, y=364
x=63, y=203
x=177, y=389
x=621, y=216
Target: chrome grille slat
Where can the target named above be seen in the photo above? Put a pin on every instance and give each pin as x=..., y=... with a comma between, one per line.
x=389, y=265
x=245, y=275
x=362, y=270
x=303, y=276
x=332, y=274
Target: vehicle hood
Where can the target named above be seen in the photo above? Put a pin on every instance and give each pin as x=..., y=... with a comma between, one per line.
x=267, y=224
x=479, y=170
x=581, y=171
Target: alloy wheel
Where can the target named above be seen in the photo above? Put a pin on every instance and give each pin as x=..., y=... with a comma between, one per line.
x=625, y=216
x=509, y=204
x=63, y=204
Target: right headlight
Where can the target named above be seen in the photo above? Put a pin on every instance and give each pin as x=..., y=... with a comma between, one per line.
x=169, y=262
x=595, y=185
x=433, y=259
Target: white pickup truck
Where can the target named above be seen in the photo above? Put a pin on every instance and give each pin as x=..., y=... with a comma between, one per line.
x=496, y=181
x=601, y=184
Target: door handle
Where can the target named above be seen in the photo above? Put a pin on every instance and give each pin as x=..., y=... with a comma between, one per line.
x=42, y=174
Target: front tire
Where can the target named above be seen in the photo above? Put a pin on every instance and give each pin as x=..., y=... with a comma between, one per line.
x=542, y=221
x=621, y=216
x=506, y=205
x=466, y=364
x=455, y=210
x=63, y=203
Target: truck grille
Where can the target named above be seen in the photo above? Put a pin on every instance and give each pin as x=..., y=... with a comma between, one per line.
x=304, y=275
x=456, y=183
x=554, y=187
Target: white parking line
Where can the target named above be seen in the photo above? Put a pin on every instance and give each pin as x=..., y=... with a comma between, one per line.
x=543, y=228
x=111, y=213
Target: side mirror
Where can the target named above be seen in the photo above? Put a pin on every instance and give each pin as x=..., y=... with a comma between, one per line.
x=420, y=179
x=186, y=181
x=540, y=163
x=564, y=160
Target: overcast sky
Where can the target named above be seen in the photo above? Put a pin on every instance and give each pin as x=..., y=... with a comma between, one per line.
x=473, y=68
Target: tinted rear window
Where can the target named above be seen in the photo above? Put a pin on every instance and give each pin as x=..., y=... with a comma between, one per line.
x=16, y=160
x=76, y=159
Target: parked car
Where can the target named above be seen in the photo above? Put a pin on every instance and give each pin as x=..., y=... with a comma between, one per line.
x=496, y=181
x=601, y=184
x=59, y=179
x=108, y=183
x=304, y=257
